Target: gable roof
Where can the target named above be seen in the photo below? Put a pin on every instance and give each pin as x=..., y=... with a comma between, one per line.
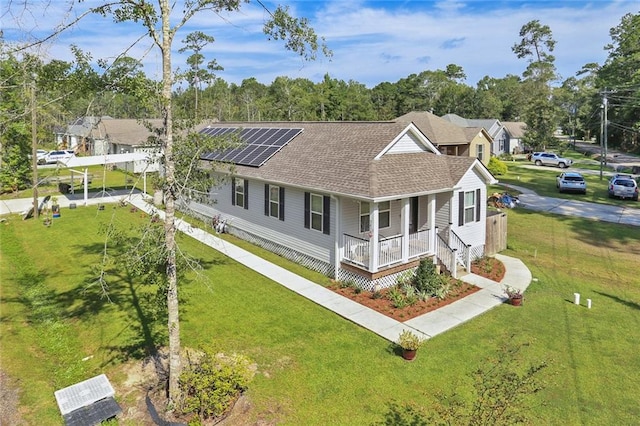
x=343, y=158
x=487, y=123
x=516, y=129
x=438, y=130
x=125, y=131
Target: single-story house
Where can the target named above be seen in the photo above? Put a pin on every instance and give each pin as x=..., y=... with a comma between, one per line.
x=357, y=201
x=515, y=132
x=106, y=135
x=451, y=139
x=497, y=131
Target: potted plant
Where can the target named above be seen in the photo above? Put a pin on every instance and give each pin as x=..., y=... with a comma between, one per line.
x=514, y=295
x=410, y=343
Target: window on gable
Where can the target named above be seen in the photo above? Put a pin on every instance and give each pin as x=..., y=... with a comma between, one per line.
x=469, y=206
x=480, y=151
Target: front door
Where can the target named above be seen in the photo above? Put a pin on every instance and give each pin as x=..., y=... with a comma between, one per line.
x=413, y=215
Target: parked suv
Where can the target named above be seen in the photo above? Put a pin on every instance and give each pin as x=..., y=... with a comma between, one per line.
x=571, y=181
x=623, y=186
x=550, y=159
x=53, y=157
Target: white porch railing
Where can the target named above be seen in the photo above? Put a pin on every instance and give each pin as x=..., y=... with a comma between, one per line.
x=463, y=251
x=356, y=250
x=390, y=249
x=447, y=256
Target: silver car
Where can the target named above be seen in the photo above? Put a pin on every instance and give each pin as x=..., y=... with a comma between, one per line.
x=623, y=186
x=571, y=181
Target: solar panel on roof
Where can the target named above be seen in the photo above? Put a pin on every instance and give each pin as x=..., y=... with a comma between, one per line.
x=259, y=144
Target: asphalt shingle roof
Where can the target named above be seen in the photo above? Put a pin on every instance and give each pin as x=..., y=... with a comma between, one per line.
x=339, y=158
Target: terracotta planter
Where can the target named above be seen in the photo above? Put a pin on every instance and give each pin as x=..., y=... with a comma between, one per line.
x=409, y=354
x=516, y=301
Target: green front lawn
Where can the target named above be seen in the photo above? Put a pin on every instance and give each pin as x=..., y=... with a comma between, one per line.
x=315, y=367
x=542, y=180
x=99, y=176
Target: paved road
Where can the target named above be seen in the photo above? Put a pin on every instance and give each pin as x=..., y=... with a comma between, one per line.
x=625, y=215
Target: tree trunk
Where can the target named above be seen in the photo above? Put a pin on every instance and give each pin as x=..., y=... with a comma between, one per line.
x=175, y=366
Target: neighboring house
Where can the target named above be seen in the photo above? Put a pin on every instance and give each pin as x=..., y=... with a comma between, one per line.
x=357, y=201
x=77, y=136
x=515, y=132
x=106, y=135
x=451, y=139
x=494, y=127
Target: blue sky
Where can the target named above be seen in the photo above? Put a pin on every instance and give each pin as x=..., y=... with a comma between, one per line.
x=372, y=41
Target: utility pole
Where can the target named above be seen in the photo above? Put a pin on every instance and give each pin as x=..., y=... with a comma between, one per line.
x=34, y=148
x=606, y=122
x=601, y=139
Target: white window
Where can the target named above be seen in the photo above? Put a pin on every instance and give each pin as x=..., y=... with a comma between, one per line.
x=384, y=215
x=480, y=151
x=239, y=191
x=469, y=207
x=274, y=201
x=364, y=217
x=317, y=211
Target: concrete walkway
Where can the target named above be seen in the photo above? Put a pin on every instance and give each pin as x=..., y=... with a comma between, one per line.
x=427, y=325
x=617, y=214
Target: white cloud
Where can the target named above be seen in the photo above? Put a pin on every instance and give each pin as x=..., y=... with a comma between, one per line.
x=372, y=42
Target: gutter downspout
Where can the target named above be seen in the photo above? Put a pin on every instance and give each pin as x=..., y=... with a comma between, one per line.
x=337, y=253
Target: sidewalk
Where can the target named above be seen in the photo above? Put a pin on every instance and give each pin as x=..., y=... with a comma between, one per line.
x=427, y=325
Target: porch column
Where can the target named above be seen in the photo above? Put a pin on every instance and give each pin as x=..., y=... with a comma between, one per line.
x=86, y=186
x=404, y=226
x=338, y=241
x=373, y=241
x=431, y=221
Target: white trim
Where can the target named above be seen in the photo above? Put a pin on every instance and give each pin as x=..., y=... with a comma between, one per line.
x=419, y=136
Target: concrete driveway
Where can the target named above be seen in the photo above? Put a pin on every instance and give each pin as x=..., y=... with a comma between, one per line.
x=626, y=215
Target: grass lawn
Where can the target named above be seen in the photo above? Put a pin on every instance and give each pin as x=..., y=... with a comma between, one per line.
x=542, y=180
x=99, y=176
x=315, y=367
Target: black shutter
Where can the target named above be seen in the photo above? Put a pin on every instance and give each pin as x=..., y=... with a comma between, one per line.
x=246, y=194
x=478, y=205
x=307, y=210
x=233, y=191
x=461, y=208
x=326, y=215
x=266, y=199
x=281, y=203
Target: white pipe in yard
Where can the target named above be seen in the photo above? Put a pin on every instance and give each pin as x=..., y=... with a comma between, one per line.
x=589, y=303
x=576, y=298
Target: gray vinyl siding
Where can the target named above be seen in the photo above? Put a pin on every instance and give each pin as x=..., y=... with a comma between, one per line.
x=407, y=143
x=443, y=212
x=290, y=232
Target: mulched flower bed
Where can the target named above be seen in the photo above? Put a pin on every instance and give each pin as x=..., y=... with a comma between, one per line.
x=487, y=267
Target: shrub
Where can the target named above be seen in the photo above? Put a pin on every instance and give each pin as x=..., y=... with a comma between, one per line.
x=211, y=383
x=497, y=167
x=427, y=279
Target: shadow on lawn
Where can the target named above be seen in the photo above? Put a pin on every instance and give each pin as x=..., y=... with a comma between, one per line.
x=627, y=303
x=616, y=237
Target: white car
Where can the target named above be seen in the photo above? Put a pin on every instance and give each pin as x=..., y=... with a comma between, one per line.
x=550, y=159
x=53, y=157
x=571, y=181
x=623, y=186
